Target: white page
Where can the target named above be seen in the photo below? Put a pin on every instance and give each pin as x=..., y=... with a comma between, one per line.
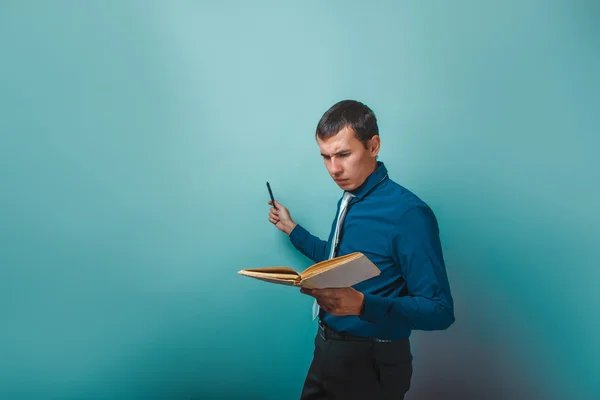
x=345, y=275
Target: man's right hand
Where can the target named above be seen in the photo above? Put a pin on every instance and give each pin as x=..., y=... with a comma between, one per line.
x=281, y=218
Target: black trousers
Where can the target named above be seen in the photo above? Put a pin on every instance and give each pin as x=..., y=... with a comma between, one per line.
x=345, y=368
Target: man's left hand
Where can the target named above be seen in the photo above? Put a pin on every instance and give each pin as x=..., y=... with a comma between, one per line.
x=337, y=301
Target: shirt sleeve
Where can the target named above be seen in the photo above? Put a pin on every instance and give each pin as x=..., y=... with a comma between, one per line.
x=428, y=304
x=308, y=244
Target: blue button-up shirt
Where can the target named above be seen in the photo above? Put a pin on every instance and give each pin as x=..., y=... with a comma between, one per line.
x=399, y=233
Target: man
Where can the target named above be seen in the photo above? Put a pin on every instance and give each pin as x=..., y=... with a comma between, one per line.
x=362, y=348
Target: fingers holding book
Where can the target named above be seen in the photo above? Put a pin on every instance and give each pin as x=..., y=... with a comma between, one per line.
x=337, y=301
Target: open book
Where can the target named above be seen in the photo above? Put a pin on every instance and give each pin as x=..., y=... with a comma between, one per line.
x=338, y=272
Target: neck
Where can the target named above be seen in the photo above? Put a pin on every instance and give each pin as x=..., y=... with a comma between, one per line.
x=373, y=167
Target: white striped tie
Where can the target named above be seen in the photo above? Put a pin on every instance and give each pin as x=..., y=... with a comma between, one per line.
x=334, y=242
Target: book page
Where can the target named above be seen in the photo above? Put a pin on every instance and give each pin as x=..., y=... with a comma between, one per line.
x=344, y=275
x=273, y=270
x=278, y=278
x=328, y=264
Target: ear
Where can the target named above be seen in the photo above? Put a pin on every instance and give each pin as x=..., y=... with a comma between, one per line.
x=374, y=145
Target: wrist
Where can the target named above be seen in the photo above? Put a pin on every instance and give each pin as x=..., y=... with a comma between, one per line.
x=290, y=228
x=361, y=304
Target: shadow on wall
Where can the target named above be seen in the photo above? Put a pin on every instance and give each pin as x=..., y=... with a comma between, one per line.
x=462, y=364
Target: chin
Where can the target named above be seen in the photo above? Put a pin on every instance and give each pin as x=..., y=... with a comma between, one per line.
x=346, y=185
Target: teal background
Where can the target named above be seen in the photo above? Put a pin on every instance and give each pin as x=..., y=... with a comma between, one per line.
x=136, y=139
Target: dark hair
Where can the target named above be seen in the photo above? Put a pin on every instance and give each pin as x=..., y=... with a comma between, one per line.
x=348, y=113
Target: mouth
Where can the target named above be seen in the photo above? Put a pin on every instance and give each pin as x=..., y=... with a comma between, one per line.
x=341, y=180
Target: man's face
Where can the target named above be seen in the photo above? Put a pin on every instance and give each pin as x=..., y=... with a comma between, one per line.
x=349, y=163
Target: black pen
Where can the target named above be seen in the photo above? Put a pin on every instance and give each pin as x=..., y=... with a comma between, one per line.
x=271, y=194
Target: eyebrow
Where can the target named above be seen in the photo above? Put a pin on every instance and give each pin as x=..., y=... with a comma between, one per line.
x=337, y=153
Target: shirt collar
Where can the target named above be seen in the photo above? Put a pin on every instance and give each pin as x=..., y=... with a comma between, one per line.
x=372, y=180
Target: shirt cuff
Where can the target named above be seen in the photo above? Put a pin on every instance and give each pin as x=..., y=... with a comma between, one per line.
x=374, y=308
x=298, y=235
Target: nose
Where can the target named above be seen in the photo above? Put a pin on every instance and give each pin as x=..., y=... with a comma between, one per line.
x=336, y=166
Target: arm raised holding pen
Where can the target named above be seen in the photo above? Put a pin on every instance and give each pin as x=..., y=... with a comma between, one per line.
x=280, y=217
x=308, y=244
